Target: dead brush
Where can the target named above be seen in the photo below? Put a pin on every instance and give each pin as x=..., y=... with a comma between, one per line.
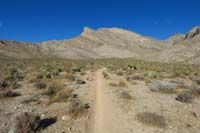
x=26, y=123
x=185, y=97
x=125, y=95
x=8, y=93
x=105, y=75
x=78, y=109
x=151, y=119
x=62, y=96
x=119, y=84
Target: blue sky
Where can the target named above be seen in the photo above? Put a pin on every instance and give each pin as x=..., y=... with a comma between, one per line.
x=41, y=20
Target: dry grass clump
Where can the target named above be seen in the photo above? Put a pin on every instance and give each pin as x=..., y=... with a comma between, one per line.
x=61, y=96
x=78, y=109
x=3, y=84
x=163, y=87
x=196, y=91
x=185, y=97
x=39, y=84
x=53, y=88
x=135, y=77
x=125, y=95
x=8, y=93
x=105, y=75
x=119, y=72
x=26, y=123
x=30, y=123
x=80, y=81
x=119, y=84
x=151, y=119
x=71, y=78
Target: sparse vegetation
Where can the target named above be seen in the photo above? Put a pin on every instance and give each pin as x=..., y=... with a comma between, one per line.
x=163, y=87
x=105, y=75
x=8, y=93
x=125, y=95
x=185, y=97
x=151, y=119
x=80, y=81
x=78, y=109
x=39, y=84
x=62, y=96
x=26, y=123
x=119, y=84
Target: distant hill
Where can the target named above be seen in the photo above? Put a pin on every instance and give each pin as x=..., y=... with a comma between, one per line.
x=111, y=43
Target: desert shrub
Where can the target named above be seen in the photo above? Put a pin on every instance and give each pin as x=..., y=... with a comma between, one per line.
x=122, y=84
x=3, y=84
x=40, y=85
x=80, y=81
x=197, y=81
x=185, y=97
x=40, y=76
x=48, y=75
x=53, y=88
x=151, y=119
x=135, y=77
x=26, y=123
x=119, y=84
x=74, y=70
x=196, y=91
x=151, y=74
x=159, y=86
x=105, y=75
x=125, y=95
x=82, y=73
x=8, y=93
x=78, y=109
x=71, y=77
x=62, y=96
x=14, y=84
x=12, y=75
x=119, y=72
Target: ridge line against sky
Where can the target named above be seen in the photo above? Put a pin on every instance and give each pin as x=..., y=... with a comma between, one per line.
x=37, y=21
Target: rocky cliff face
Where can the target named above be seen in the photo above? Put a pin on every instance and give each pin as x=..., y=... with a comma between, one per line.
x=111, y=43
x=193, y=33
x=104, y=43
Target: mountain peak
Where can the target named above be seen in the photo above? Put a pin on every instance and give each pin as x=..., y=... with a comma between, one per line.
x=87, y=29
x=192, y=33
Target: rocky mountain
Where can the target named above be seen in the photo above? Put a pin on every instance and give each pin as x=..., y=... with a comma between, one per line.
x=111, y=43
x=104, y=43
x=14, y=49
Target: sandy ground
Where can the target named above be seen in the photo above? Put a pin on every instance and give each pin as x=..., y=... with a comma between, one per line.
x=108, y=112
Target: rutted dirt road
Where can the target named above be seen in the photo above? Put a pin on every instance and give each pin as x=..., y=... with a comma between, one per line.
x=103, y=119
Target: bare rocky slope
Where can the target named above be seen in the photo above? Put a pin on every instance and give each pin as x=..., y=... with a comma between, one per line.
x=111, y=43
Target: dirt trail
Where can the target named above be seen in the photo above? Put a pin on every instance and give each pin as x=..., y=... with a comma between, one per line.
x=103, y=119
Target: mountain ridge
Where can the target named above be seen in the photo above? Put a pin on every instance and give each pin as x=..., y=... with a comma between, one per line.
x=110, y=43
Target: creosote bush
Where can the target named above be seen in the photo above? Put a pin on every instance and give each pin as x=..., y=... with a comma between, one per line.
x=185, y=97
x=62, y=96
x=40, y=84
x=80, y=81
x=119, y=84
x=151, y=119
x=26, y=123
x=8, y=93
x=78, y=109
